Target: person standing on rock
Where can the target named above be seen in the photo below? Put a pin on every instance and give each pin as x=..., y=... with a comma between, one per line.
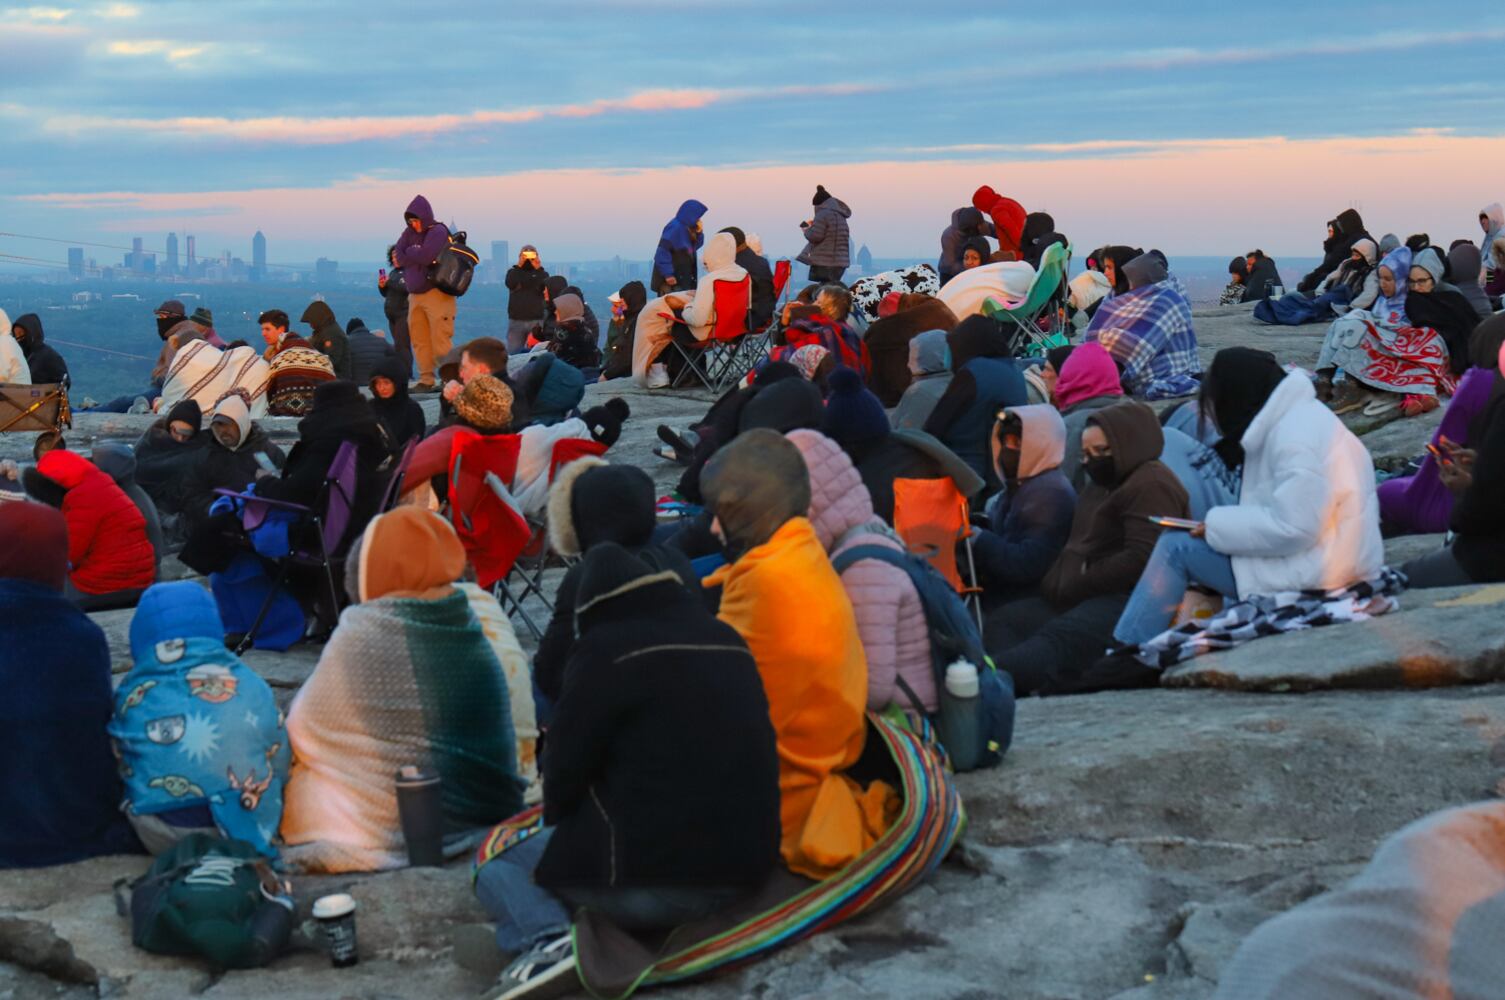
x=525, y=299
x=431, y=312
x=394, y=295
x=828, y=238
x=674, y=267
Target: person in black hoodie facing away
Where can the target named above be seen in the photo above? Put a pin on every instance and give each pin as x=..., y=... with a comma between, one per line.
x=328, y=337
x=366, y=349
x=625, y=306
x=47, y=365
x=661, y=784
x=394, y=294
x=1261, y=277
x=591, y=502
x=760, y=312
x=400, y=416
x=525, y=297
x=1342, y=233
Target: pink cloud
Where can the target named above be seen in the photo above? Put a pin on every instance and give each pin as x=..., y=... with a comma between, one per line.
x=321, y=131
x=1197, y=198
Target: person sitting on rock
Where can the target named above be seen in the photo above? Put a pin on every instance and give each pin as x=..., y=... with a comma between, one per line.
x=930, y=374
x=782, y=596
x=550, y=388
x=591, y=503
x=573, y=342
x=109, y=551
x=407, y=678
x=890, y=617
x=401, y=418
x=693, y=313
x=199, y=734
x=661, y=776
x=1148, y=332
x=45, y=364
x=483, y=406
x=984, y=381
x=62, y=802
x=1307, y=517
x=239, y=452
x=1030, y=518
x=626, y=305
x=328, y=337
x=1475, y=476
x=1048, y=642
x=366, y=349
x=1088, y=381
x=166, y=451
x=117, y=462
x=890, y=338
x=297, y=367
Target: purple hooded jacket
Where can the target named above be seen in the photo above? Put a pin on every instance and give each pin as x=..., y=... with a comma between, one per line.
x=1420, y=504
x=417, y=251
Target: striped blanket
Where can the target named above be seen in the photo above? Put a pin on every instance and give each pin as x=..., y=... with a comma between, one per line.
x=204, y=373
x=1149, y=333
x=788, y=908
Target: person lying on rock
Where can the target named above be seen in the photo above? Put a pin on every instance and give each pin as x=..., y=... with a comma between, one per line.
x=408, y=677
x=782, y=596
x=1307, y=517
x=62, y=803
x=661, y=774
x=1047, y=642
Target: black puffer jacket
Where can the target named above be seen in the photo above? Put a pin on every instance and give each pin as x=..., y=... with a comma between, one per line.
x=661, y=767
x=401, y=417
x=1348, y=229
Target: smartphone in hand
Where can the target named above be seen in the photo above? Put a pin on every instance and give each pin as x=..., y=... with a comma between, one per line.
x=1179, y=523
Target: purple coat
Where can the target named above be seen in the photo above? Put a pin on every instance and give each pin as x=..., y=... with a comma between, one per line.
x=417, y=251
x=1420, y=504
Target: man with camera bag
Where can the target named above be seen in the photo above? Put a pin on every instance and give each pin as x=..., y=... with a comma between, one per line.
x=431, y=311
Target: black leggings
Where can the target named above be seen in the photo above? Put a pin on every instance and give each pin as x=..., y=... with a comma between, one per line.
x=1048, y=652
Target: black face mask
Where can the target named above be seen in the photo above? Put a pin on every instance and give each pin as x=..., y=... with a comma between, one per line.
x=1102, y=471
x=1008, y=461
x=165, y=323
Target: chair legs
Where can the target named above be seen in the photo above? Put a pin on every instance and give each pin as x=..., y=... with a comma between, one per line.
x=266, y=606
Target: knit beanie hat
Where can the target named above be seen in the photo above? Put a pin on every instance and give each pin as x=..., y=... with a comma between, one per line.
x=189, y=412
x=485, y=403
x=854, y=416
x=568, y=307
x=202, y=316
x=605, y=421
x=591, y=502
x=821, y=195
x=33, y=544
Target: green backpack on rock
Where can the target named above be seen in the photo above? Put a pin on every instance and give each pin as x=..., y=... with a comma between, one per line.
x=212, y=897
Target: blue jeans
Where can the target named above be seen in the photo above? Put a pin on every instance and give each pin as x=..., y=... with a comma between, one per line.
x=122, y=404
x=1178, y=560
x=526, y=913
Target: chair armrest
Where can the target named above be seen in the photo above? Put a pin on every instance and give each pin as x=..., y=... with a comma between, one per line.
x=253, y=498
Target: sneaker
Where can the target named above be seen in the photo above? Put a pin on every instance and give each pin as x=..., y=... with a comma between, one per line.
x=1349, y=396
x=1381, y=404
x=1415, y=405
x=140, y=405
x=658, y=377
x=545, y=970
x=88, y=404
x=422, y=387
x=1324, y=387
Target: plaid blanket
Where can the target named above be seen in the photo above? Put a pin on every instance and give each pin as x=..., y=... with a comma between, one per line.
x=1271, y=614
x=1148, y=331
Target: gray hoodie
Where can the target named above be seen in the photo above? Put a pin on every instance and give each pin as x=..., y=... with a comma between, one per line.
x=930, y=364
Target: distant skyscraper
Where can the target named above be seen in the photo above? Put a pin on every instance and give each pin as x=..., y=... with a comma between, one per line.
x=501, y=254
x=865, y=258
x=326, y=270
x=172, y=253
x=76, y=261
x=258, y=256
x=192, y=257
x=137, y=261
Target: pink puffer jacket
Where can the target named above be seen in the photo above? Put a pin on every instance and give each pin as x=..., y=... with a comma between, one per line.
x=890, y=617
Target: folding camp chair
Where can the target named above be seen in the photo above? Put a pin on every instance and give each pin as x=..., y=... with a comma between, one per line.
x=485, y=515
x=325, y=520
x=525, y=578
x=1043, y=302
x=752, y=349
x=35, y=407
x=398, y=473
x=711, y=360
x=931, y=515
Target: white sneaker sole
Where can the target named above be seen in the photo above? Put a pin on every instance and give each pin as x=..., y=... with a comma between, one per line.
x=558, y=981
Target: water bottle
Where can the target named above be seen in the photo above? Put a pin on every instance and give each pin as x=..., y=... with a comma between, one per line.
x=958, y=720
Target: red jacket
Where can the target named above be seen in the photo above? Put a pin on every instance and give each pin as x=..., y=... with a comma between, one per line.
x=108, y=548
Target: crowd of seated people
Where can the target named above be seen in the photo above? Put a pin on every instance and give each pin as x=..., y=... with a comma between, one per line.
x=743, y=650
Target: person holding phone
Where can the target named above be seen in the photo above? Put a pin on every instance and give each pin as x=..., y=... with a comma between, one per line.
x=525, y=283
x=1307, y=516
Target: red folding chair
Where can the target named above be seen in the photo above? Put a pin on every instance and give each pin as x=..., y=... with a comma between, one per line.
x=931, y=515
x=525, y=577
x=485, y=515
x=754, y=347
x=711, y=360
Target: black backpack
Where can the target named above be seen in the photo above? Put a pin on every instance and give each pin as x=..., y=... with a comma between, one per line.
x=953, y=636
x=456, y=266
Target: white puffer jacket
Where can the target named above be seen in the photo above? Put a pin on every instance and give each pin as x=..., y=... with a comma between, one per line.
x=890, y=617
x=1307, y=516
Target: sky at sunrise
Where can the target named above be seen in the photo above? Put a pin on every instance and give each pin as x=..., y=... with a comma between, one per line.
x=1202, y=128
